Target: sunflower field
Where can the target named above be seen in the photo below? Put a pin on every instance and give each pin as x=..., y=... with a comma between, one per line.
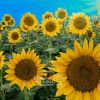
x=57, y=59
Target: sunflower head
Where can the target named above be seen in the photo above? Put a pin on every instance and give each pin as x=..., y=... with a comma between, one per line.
x=25, y=69
x=3, y=27
x=62, y=14
x=78, y=72
x=79, y=23
x=7, y=18
x=50, y=27
x=14, y=36
x=12, y=22
x=2, y=58
x=91, y=34
x=29, y=21
x=47, y=15
x=23, y=28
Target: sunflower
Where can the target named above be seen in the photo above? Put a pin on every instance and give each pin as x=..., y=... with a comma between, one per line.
x=38, y=27
x=79, y=23
x=78, y=72
x=29, y=21
x=25, y=70
x=50, y=27
x=7, y=18
x=61, y=14
x=47, y=15
x=91, y=34
x=3, y=23
x=68, y=30
x=12, y=22
x=2, y=58
x=3, y=27
x=14, y=36
x=23, y=28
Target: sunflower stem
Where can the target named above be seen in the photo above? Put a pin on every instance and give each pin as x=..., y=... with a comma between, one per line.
x=1, y=79
x=81, y=40
x=49, y=46
x=26, y=94
x=28, y=40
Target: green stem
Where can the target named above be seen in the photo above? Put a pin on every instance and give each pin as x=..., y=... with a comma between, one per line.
x=49, y=46
x=3, y=94
x=81, y=40
x=26, y=94
x=28, y=41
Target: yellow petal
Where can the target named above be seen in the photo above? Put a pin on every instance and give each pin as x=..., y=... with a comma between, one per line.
x=68, y=89
x=90, y=47
x=78, y=49
x=96, y=94
x=85, y=47
x=62, y=85
x=57, y=69
x=58, y=77
x=96, y=50
x=71, y=54
x=78, y=96
x=86, y=96
x=98, y=87
x=92, y=96
x=59, y=92
x=10, y=71
x=71, y=95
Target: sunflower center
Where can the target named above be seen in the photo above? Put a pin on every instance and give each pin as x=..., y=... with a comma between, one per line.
x=25, y=69
x=89, y=33
x=28, y=21
x=15, y=36
x=7, y=18
x=84, y=74
x=48, y=16
x=3, y=23
x=50, y=26
x=61, y=14
x=80, y=23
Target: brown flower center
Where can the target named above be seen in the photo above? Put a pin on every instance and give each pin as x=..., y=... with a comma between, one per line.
x=25, y=69
x=84, y=74
x=7, y=18
x=80, y=23
x=96, y=22
x=29, y=21
x=89, y=33
x=3, y=23
x=50, y=26
x=15, y=36
x=62, y=14
x=48, y=16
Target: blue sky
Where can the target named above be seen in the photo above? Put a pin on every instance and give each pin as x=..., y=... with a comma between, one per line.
x=18, y=7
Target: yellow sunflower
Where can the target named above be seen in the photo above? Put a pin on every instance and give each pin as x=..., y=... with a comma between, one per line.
x=2, y=58
x=14, y=36
x=25, y=70
x=4, y=23
x=7, y=18
x=12, y=22
x=61, y=14
x=78, y=72
x=68, y=30
x=38, y=27
x=3, y=27
x=23, y=28
x=91, y=34
x=79, y=23
x=29, y=21
x=50, y=27
x=47, y=15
